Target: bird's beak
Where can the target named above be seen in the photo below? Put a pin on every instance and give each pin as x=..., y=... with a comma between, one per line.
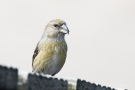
x=64, y=29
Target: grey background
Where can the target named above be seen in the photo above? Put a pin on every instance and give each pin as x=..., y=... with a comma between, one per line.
x=101, y=43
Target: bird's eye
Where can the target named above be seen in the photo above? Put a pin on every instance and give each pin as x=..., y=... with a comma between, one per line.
x=55, y=25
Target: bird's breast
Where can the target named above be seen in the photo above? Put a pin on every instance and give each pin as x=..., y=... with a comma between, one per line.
x=53, y=56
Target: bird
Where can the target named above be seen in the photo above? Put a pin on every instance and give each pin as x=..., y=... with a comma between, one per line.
x=51, y=51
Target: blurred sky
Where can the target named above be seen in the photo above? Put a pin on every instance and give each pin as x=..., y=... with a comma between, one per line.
x=101, y=43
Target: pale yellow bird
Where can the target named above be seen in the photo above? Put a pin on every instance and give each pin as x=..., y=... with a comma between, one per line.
x=51, y=51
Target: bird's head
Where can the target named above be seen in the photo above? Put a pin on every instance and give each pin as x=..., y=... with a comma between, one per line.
x=56, y=28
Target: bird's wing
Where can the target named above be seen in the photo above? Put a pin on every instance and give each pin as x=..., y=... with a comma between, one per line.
x=35, y=54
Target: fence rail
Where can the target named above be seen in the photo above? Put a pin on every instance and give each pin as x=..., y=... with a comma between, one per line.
x=11, y=80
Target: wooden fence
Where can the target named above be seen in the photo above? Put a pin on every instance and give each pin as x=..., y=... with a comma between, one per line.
x=11, y=80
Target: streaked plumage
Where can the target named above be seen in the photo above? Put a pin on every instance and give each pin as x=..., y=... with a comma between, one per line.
x=50, y=53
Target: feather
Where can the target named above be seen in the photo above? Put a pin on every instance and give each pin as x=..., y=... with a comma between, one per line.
x=35, y=54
